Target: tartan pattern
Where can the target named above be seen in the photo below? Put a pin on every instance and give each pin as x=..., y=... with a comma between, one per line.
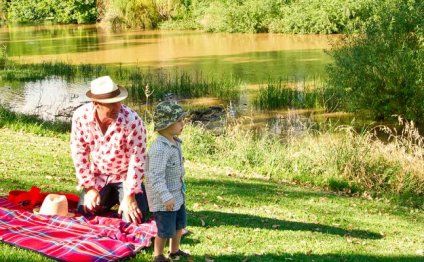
x=165, y=174
x=73, y=238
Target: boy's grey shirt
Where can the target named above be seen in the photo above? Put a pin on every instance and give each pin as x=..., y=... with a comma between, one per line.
x=165, y=174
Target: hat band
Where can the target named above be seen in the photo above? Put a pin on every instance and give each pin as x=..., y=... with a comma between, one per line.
x=107, y=95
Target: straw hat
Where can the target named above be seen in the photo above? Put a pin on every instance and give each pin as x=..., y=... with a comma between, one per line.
x=54, y=205
x=104, y=90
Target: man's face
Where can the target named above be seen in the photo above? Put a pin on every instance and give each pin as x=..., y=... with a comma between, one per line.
x=107, y=113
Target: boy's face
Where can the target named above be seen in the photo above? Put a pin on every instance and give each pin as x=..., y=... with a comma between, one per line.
x=176, y=128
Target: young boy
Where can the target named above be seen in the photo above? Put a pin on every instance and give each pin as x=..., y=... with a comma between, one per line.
x=164, y=181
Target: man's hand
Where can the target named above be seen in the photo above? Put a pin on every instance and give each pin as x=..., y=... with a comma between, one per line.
x=169, y=205
x=91, y=200
x=129, y=210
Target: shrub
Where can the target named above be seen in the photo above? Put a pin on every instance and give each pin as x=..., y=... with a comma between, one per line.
x=382, y=70
x=60, y=11
x=239, y=16
x=283, y=16
x=132, y=14
x=323, y=17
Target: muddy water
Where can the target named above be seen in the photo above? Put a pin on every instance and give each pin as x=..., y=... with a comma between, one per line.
x=253, y=58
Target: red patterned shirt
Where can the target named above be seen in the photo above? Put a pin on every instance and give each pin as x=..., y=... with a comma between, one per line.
x=119, y=155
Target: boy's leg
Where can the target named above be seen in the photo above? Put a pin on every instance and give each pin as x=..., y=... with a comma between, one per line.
x=159, y=246
x=141, y=199
x=165, y=222
x=181, y=222
x=174, y=243
x=108, y=198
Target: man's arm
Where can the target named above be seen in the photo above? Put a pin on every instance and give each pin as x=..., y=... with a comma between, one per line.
x=136, y=140
x=81, y=154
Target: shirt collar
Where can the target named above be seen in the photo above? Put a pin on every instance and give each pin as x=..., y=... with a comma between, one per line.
x=92, y=114
x=166, y=141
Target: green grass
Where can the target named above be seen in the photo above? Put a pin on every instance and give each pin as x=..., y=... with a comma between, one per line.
x=32, y=124
x=338, y=159
x=233, y=216
x=334, y=158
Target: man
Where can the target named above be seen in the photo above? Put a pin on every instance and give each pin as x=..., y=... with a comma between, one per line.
x=108, y=144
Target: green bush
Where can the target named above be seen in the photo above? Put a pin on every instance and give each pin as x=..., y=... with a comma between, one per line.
x=59, y=11
x=132, y=14
x=239, y=16
x=289, y=16
x=381, y=71
x=76, y=11
x=323, y=17
x=26, y=11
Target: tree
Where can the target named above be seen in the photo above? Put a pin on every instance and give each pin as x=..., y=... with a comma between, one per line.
x=381, y=70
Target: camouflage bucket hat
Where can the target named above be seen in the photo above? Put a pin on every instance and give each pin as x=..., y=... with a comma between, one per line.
x=167, y=113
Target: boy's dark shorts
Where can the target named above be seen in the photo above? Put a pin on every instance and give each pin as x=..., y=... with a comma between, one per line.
x=168, y=222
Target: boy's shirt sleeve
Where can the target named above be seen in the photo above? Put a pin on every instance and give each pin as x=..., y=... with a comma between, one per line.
x=157, y=176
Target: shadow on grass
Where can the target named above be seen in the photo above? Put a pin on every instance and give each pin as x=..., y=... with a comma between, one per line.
x=307, y=257
x=257, y=190
x=215, y=219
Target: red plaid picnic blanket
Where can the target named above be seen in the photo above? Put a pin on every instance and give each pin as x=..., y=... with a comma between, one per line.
x=73, y=238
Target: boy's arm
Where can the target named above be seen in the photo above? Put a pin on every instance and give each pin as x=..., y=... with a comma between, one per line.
x=157, y=167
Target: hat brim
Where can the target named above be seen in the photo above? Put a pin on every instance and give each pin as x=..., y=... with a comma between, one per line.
x=184, y=114
x=37, y=212
x=123, y=94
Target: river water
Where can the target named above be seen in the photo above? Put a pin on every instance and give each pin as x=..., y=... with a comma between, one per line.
x=251, y=58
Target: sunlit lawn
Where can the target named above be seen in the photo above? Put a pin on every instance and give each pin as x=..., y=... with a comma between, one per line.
x=232, y=218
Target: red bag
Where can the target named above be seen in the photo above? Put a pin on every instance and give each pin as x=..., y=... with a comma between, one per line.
x=29, y=199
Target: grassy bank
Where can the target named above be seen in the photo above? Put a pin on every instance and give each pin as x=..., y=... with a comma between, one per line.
x=261, y=220
x=337, y=158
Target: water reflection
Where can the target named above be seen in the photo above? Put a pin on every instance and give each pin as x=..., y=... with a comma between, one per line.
x=252, y=57
x=292, y=124
x=54, y=98
x=51, y=99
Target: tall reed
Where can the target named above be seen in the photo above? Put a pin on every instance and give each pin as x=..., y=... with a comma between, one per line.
x=339, y=159
x=290, y=94
x=179, y=84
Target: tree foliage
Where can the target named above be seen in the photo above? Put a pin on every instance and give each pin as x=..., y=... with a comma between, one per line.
x=132, y=14
x=59, y=11
x=382, y=69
